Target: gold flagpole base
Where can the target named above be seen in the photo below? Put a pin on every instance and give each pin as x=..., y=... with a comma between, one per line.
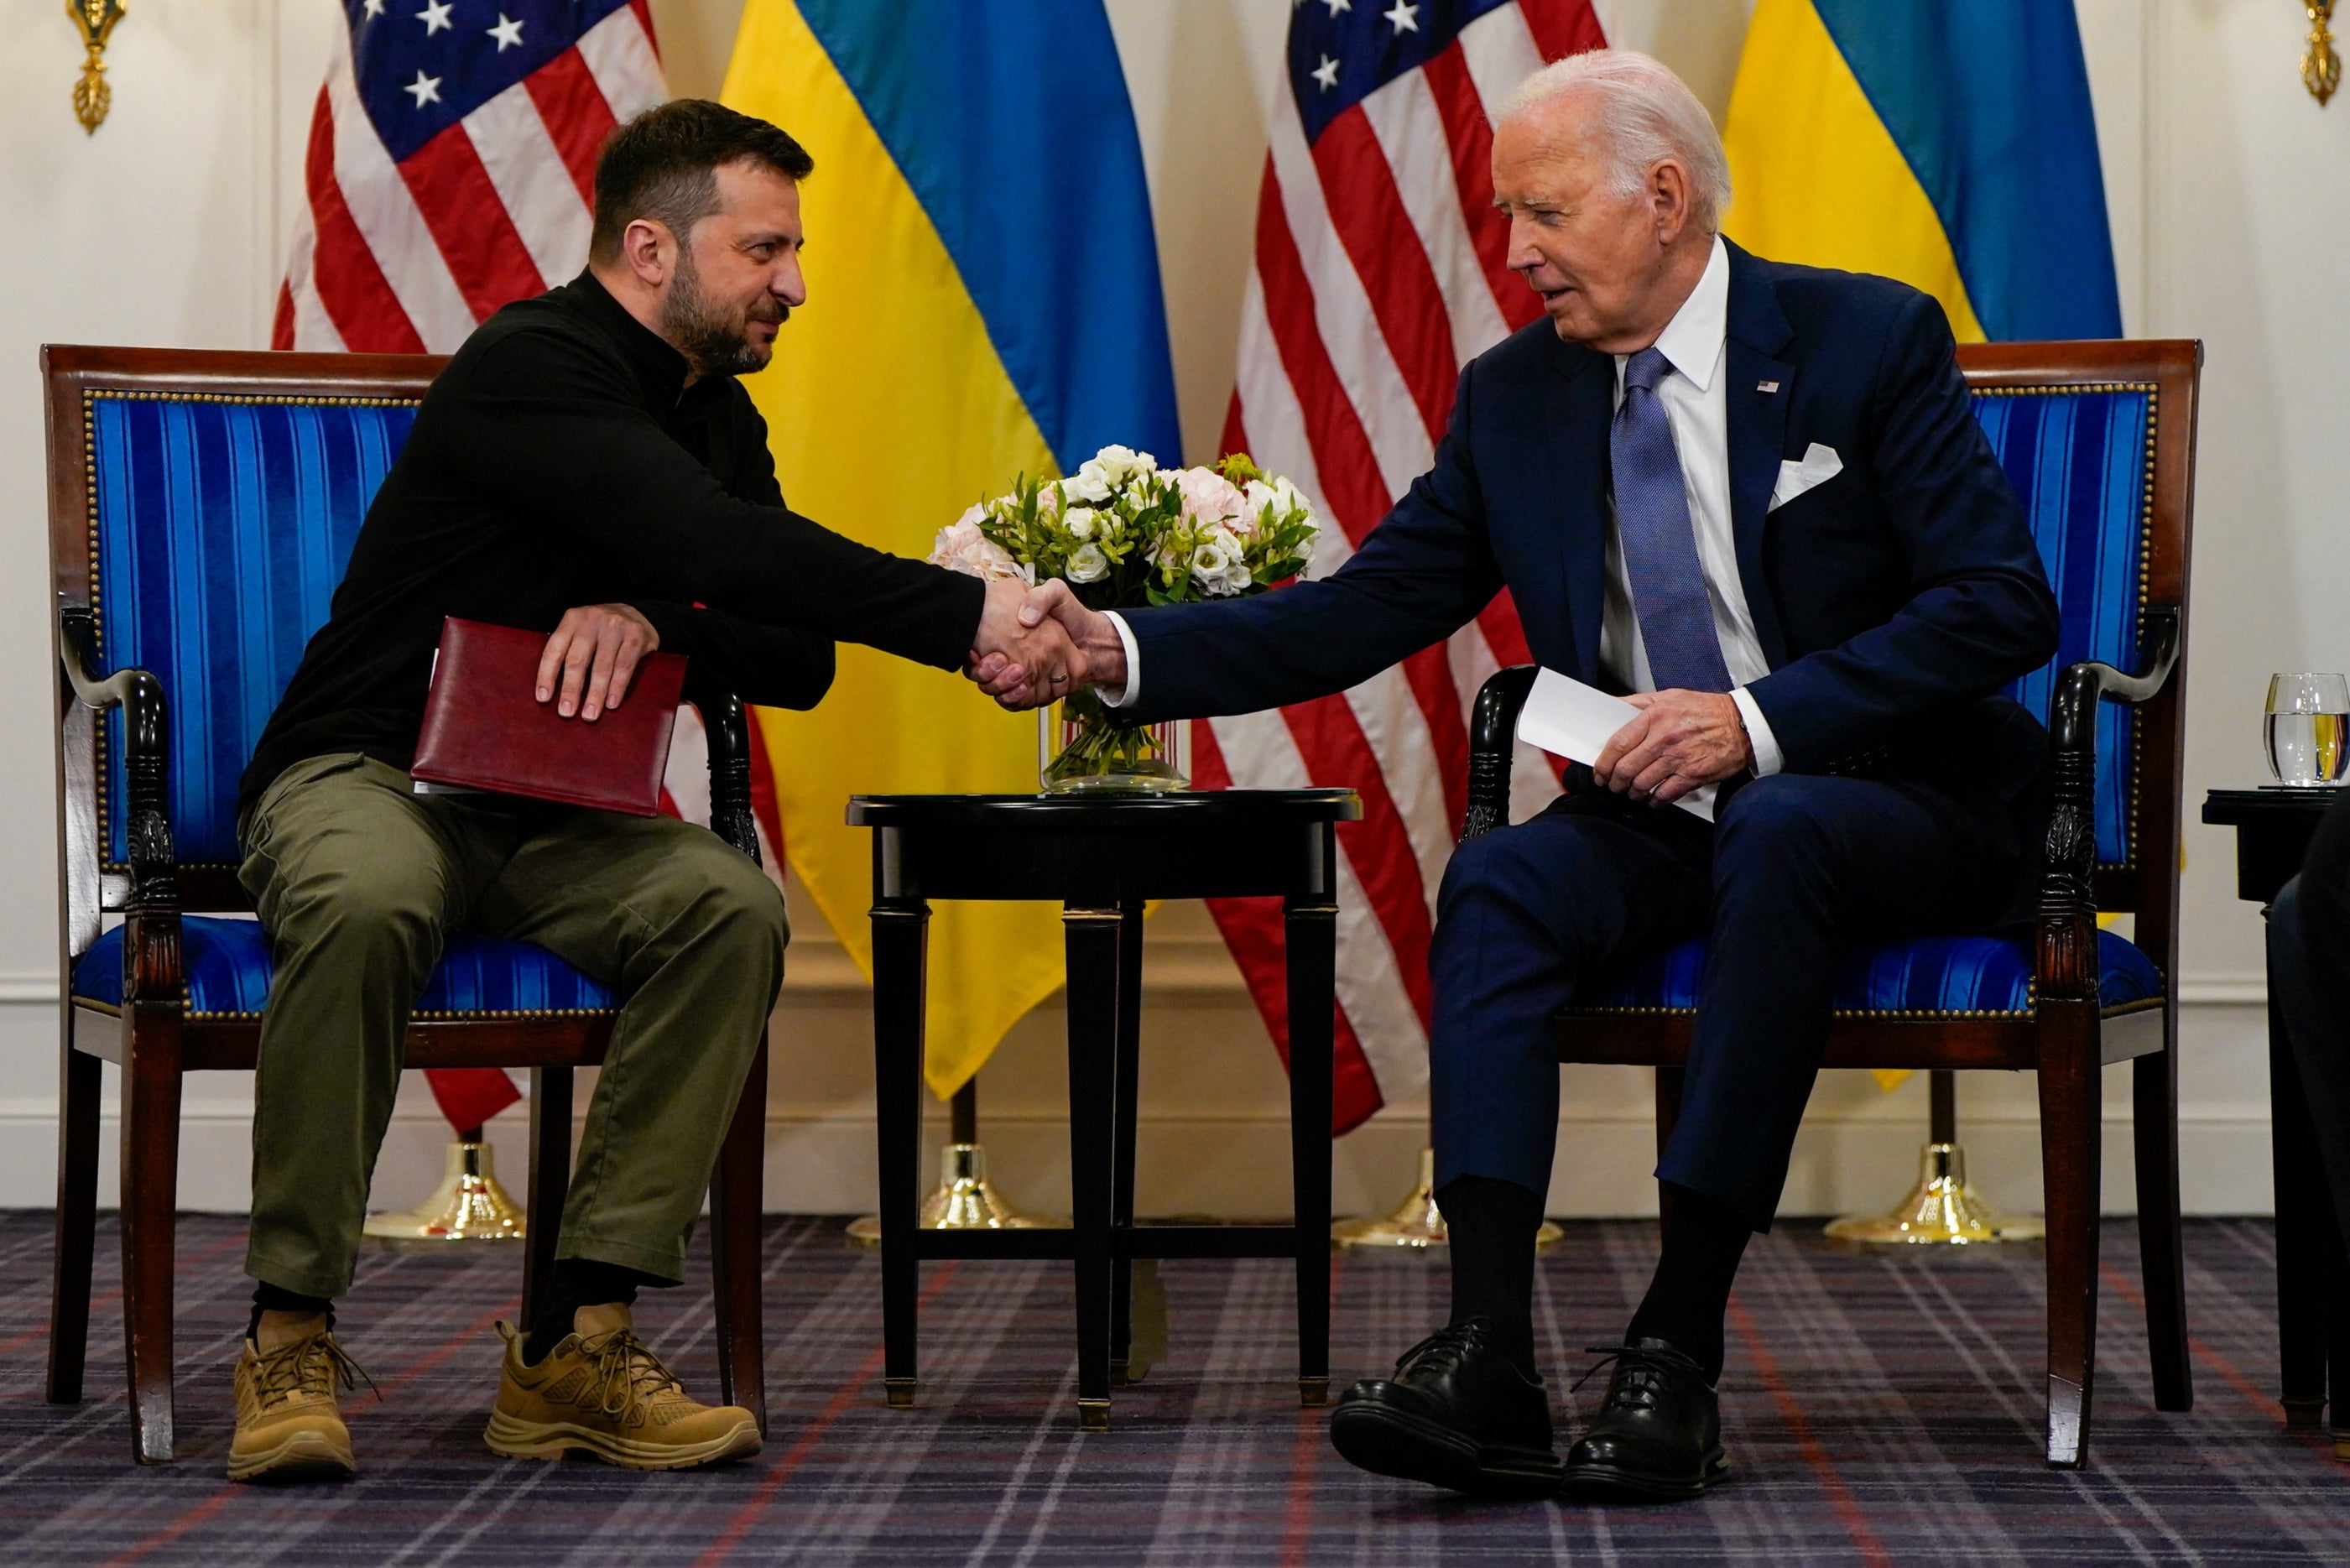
x=964, y=1199
x=1942, y=1208
x=468, y=1206
x=1416, y=1223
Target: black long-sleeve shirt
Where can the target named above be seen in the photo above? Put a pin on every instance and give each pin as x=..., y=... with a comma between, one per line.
x=560, y=459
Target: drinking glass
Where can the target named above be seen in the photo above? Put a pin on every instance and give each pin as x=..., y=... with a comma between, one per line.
x=2308, y=722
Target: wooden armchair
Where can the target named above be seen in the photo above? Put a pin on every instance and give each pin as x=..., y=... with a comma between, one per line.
x=2098, y=439
x=201, y=508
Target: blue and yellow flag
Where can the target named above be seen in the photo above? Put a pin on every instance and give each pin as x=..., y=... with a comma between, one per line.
x=983, y=302
x=1952, y=147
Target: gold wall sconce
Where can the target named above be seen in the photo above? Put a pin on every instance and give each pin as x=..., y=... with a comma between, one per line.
x=2321, y=68
x=91, y=96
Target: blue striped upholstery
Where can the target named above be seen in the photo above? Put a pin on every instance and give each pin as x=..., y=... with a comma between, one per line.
x=2081, y=464
x=228, y=974
x=219, y=528
x=1942, y=975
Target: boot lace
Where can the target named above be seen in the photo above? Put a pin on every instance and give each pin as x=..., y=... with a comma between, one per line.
x=630, y=1377
x=1449, y=1346
x=314, y=1365
x=1639, y=1374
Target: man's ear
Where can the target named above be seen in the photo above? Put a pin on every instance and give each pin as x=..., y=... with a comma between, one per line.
x=1668, y=198
x=647, y=249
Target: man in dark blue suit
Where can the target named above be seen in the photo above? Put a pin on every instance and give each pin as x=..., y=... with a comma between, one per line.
x=1752, y=497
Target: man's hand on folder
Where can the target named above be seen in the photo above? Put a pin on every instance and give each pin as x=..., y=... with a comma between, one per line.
x=1681, y=740
x=593, y=651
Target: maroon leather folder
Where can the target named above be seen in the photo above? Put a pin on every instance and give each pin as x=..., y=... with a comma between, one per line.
x=484, y=728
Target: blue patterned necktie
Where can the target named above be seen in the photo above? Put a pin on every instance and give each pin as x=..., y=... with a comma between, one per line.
x=1652, y=522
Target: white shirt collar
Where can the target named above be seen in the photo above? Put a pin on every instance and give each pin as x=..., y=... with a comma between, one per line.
x=1691, y=341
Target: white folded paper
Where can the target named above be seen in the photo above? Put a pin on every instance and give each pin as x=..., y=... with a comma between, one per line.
x=1568, y=719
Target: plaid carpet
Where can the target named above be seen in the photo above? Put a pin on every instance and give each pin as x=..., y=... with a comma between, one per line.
x=1878, y=1410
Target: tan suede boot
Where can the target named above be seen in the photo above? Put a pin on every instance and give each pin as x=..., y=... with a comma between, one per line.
x=602, y=1392
x=289, y=1427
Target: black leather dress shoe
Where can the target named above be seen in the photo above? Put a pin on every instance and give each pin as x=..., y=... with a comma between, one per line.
x=1657, y=1437
x=1457, y=1414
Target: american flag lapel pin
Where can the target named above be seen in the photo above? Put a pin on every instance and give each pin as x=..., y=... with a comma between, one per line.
x=1766, y=386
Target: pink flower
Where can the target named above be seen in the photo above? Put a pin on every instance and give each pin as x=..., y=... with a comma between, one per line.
x=963, y=548
x=1210, y=501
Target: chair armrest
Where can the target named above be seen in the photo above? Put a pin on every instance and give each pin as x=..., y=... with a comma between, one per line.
x=1492, y=737
x=147, y=757
x=2066, y=962
x=729, y=729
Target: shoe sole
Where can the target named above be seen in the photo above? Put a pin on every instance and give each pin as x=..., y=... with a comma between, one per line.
x=1613, y=1483
x=304, y=1457
x=1391, y=1442
x=518, y=1439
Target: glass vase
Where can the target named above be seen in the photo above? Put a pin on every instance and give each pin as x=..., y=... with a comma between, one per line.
x=1082, y=747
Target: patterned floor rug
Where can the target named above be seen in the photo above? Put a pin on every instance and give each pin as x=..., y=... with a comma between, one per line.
x=1880, y=1410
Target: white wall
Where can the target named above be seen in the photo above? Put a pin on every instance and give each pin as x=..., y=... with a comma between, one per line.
x=2226, y=188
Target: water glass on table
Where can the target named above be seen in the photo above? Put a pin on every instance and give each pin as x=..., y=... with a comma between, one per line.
x=2308, y=723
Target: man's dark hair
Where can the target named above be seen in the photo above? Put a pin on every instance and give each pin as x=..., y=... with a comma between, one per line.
x=664, y=165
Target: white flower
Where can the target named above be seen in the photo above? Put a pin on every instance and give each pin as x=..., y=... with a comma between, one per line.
x=1080, y=521
x=1255, y=496
x=1087, y=565
x=1118, y=464
x=1217, y=564
x=1089, y=484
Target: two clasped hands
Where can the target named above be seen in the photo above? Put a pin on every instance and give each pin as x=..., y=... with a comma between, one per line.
x=1051, y=645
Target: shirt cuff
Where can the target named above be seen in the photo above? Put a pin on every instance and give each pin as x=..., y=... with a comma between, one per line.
x=1768, y=759
x=1127, y=698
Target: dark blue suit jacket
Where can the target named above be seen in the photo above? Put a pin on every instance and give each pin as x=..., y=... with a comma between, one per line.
x=1892, y=601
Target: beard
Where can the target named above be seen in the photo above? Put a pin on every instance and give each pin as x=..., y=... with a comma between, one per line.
x=714, y=338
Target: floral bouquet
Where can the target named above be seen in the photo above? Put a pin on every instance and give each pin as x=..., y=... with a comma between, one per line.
x=1124, y=533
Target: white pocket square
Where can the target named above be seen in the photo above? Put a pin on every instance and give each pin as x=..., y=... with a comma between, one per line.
x=1819, y=465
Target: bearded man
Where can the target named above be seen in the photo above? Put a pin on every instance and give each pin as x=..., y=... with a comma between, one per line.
x=587, y=466
x=1751, y=497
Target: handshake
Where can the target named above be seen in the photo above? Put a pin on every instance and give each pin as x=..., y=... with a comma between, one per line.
x=1038, y=645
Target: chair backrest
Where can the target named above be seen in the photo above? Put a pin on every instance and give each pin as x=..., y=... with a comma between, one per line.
x=2098, y=439
x=202, y=508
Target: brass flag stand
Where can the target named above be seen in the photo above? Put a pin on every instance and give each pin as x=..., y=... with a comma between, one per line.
x=468, y=1206
x=1942, y=1208
x=964, y=1198
x=1416, y=1223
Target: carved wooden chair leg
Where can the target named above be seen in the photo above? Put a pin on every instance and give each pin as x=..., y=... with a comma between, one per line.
x=734, y=1246
x=76, y=1232
x=2154, y=1101
x=2070, y=1108
x=150, y=1168
x=550, y=1178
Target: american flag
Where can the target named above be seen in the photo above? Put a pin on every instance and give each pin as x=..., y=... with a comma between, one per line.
x=452, y=164
x=1379, y=272
x=452, y=171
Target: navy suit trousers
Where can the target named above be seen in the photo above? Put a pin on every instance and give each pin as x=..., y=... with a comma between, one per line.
x=1795, y=869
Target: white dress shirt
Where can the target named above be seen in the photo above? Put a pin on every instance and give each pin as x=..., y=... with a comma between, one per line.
x=1696, y=407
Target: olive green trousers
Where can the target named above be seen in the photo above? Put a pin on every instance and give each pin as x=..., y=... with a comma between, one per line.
x=359, y=881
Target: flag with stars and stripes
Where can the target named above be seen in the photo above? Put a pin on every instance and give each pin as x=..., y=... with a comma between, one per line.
x=452, y=164
x=1380, y=270
x=452, y=171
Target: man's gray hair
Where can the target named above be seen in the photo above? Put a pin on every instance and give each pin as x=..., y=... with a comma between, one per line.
x=1643, y=115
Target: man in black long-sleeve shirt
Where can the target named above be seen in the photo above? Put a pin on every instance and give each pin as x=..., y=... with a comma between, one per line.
x=587, y=466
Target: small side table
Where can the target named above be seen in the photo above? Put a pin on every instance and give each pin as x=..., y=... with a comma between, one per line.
x=1100, y=857
x=2274, y=827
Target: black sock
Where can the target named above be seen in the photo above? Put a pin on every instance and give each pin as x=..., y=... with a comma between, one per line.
x=573, y=1283
x=1690, y=1293
x=267, y=1297
x=1492, y=1224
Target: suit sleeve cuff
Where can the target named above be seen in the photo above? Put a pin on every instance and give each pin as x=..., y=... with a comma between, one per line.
x=1768, y=759
x=1133, y=692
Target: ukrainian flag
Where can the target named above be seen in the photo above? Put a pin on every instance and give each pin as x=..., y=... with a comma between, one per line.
x=1950, y=146
x=983, y=302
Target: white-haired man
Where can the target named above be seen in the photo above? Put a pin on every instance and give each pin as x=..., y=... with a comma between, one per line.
x=1752, y=497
